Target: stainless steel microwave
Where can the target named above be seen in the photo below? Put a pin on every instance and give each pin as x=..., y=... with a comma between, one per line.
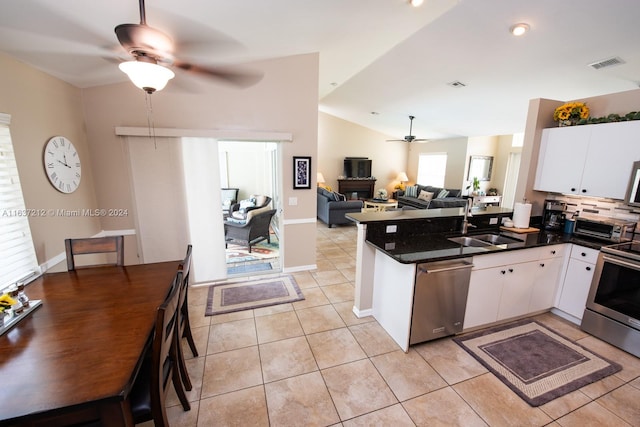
x=633, y=190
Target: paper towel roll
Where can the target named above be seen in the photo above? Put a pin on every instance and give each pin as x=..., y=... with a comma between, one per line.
x=521, y=215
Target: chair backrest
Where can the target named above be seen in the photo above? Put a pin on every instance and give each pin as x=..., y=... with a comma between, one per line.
x=185, y=267
x=94, y=245
x=230, y=194
x=163, y=356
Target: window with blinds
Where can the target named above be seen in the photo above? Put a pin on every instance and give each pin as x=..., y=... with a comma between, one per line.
x=16, y=246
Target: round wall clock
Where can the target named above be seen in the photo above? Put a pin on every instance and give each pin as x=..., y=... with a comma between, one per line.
x=62, y=164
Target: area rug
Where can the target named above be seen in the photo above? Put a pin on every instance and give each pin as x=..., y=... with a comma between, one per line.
x=538, y=364
x=246, y=295
x=263, y=250
x=249, y=268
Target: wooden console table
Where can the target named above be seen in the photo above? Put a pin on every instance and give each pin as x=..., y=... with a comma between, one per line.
x=364, y=188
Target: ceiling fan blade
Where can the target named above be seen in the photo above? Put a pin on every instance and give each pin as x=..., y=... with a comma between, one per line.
x=240, y=78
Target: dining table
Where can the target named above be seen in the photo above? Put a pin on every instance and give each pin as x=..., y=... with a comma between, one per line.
x=74, y=359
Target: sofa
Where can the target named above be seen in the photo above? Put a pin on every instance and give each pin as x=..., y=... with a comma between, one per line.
x=332, y=207
x=429, y=197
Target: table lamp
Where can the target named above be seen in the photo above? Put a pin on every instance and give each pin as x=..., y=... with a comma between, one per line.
x=402, y=177
x=320, y=178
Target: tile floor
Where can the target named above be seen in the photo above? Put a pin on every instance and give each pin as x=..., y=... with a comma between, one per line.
x=313, y=363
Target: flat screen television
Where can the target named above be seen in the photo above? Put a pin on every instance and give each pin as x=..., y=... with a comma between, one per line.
x=357, y=167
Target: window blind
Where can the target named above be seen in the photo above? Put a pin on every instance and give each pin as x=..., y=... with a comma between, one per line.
x=16, y=246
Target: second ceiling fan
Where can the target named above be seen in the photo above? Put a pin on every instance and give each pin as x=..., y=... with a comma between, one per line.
x=410, y=137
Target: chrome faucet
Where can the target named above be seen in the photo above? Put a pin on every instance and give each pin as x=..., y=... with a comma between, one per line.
x=467, y=214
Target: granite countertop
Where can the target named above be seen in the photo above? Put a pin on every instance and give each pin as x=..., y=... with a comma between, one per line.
x=437, y=246
x=422, y=235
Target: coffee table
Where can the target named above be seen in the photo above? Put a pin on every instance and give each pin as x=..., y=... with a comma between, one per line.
x=379, y=204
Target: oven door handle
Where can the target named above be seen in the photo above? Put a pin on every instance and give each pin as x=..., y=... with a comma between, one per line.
x=621, y=262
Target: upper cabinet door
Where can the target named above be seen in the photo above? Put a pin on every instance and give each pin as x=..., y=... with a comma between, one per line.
x=563, y=152
x=612, y=150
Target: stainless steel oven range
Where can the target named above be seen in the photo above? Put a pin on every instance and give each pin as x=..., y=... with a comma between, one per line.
x=613, y=305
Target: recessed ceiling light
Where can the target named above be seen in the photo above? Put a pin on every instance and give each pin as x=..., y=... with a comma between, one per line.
x=519, y=29
x=416, y=3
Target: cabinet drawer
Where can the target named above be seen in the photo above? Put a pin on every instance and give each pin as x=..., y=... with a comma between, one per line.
x=554, y=251
x=582, y=253
x=505, y=258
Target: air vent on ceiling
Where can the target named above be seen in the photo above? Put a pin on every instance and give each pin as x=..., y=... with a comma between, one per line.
x=456, y=84
x=607, y=63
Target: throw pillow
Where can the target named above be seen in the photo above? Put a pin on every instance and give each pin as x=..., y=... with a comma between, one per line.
x=340, y=197
x=425, y=195
x=442, y=194
x=250, y=203
x=412, y=191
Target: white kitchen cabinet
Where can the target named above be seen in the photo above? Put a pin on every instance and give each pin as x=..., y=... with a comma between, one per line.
x=577, y=281
x=563, y=152
x=547, y=281
x=512, y=284
x=483, y=299
x=589, y=160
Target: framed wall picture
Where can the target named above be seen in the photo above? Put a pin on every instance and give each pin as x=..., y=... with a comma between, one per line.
x=301, y=173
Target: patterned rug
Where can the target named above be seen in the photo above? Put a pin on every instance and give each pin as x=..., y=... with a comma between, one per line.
x=263, y=250
x=246, y=295
x=536, y=363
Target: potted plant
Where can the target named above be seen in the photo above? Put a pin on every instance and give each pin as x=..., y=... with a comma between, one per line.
x=476, y=186
x=571, y=113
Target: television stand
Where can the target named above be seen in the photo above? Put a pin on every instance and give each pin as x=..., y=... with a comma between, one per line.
x=357, y=188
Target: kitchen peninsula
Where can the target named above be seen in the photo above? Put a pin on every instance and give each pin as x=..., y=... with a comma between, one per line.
x=394, y=246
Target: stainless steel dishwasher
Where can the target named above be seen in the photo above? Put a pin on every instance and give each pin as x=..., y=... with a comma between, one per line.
x=439, y=299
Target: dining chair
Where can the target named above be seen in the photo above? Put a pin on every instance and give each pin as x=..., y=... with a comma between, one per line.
x=184, y=326
x=94, y=245
x=159, y=368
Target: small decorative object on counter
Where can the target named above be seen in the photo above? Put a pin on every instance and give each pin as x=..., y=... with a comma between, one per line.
x=17, y=306
x=22, y=296
x=381, y=194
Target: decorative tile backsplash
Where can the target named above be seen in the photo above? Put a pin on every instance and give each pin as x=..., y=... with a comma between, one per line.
x=590, y=206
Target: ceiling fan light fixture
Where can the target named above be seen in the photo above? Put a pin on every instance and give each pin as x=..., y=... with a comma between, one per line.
x=519, y=29
x=148, y=76
x=416, y=3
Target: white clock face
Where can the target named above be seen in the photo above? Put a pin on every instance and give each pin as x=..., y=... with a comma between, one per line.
x=62, y=164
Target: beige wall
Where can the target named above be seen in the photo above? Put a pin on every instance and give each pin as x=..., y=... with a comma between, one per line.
x=286, y=100
x=338, y=139
x=456, y=149
x=42, y=106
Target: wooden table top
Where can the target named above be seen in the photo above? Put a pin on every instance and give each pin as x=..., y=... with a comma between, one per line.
x=84, y=343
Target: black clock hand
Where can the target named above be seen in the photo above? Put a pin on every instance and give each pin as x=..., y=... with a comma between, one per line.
x=64, y=164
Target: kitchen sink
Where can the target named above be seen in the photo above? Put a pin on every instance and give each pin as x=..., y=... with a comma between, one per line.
x=489, y=239
x=469, y=241
x=497, y=239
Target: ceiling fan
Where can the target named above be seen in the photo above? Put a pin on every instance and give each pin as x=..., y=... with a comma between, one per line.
x=152, y=52
x=410, y=137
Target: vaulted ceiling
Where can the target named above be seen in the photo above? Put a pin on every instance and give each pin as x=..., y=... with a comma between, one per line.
x=376, y=56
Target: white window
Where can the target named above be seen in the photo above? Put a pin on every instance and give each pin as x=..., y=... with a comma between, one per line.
x=16, y=246
x=432, y=168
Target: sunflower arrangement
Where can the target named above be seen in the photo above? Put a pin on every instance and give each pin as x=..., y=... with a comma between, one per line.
x=572, y=112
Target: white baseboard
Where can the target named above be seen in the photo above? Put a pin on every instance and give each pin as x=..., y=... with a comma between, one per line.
x=362, y=313
x=299, y=268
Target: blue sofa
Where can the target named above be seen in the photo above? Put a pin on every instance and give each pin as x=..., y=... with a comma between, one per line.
x=452, y=200
x=332, y=207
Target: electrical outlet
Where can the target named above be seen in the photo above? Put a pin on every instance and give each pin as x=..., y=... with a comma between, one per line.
x=293, y=201
x=392, y=228
x=493, y=221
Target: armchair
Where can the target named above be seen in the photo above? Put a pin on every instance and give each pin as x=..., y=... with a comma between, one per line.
x=229, y=197
x=332, y=211
x=254, y=230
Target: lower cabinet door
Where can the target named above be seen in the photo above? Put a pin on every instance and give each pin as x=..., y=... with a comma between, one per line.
x=485, y=287
x=516, y=291
x=575, y=289
x=547, y=277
